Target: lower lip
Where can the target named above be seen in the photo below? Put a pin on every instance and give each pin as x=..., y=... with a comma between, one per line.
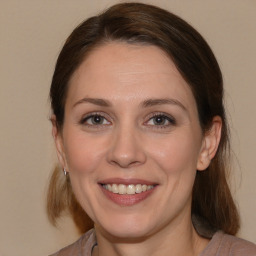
x=127, y=200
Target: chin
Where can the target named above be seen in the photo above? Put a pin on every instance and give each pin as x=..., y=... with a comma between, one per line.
x=128, y=228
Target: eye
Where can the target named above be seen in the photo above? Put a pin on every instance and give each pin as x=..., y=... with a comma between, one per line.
x=161, y=120
x=95, y=119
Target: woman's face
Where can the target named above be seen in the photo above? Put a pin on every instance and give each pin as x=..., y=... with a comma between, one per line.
x=131, y=140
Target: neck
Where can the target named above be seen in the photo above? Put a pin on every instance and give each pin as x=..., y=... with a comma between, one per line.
x=180, y=239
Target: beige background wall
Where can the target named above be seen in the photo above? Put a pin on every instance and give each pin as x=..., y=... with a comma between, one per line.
x=31, y=34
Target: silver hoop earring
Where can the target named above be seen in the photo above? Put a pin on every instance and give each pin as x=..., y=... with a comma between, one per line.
x=65, y=172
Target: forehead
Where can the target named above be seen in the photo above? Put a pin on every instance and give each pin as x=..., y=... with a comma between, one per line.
x=120, y=69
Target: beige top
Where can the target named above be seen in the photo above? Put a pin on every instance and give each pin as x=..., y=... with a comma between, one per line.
x=220, y=245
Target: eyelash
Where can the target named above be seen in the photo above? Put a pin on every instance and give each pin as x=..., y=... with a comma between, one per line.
x=85, y=119
x=166, y=118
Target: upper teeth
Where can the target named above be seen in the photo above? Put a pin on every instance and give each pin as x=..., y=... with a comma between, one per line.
x=127, y=189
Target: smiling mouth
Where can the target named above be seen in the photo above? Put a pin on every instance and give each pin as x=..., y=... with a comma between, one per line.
x=130, y=189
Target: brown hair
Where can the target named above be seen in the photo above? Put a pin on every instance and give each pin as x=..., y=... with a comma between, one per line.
x=137, y=23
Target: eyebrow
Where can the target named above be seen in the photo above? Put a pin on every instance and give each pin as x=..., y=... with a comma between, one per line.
x=95, y=101
x=155, y=102
x=144, y=104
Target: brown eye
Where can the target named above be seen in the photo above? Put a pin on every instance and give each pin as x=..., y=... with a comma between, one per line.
x=95, y=120
x=161, y=120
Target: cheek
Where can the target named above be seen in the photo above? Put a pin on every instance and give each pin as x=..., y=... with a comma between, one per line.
x=177, y=158
x=177, y=154
x=83, y=153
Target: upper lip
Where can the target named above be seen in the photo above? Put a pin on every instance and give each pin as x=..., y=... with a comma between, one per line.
x=126, y=181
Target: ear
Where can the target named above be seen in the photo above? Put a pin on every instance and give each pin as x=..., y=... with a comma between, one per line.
x=57, y=136
x=210, y=144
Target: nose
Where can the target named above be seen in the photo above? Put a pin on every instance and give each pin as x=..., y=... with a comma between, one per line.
x=126, y=148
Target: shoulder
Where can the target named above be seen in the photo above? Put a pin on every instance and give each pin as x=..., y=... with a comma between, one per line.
x=238, y=246
x=83, y=246
x=223, y=244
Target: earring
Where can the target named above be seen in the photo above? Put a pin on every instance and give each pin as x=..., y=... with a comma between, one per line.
x=65, y=172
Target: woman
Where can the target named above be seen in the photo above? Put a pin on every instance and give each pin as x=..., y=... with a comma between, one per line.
x=141, y=135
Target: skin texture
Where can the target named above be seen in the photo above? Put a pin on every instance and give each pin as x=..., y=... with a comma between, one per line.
x=135, y=84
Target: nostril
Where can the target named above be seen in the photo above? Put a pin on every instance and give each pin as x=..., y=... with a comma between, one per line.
x=125, y=164
x=125, y=150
